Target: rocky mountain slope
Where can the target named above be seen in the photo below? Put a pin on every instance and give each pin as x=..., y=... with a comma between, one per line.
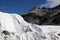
x=43, y=16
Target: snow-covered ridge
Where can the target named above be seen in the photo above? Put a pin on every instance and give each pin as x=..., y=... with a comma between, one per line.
x=13, y=27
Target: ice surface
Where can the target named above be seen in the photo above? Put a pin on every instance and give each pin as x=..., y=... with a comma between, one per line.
x=13, y=27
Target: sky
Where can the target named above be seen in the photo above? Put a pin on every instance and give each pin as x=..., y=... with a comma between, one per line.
x=23, y=6
x=18, y=6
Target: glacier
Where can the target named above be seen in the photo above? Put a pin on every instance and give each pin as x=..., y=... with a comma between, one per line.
x=14, y=27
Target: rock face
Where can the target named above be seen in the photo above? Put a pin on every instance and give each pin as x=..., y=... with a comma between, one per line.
x=43, y=16
x=13, y=27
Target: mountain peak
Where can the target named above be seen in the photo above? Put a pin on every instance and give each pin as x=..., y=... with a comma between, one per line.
x=43, y=15
x=35, y=8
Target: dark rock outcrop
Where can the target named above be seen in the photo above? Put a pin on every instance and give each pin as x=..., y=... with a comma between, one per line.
x=43, y=16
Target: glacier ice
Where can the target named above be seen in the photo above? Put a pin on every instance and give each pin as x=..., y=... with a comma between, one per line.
x=13, y=27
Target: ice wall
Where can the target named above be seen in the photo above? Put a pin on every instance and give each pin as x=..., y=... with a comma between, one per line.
x=13, y=27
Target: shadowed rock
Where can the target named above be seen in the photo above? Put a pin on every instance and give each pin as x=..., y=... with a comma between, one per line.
x=43, y=16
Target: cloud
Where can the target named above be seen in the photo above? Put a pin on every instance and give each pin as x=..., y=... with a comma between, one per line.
x=51, y=3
